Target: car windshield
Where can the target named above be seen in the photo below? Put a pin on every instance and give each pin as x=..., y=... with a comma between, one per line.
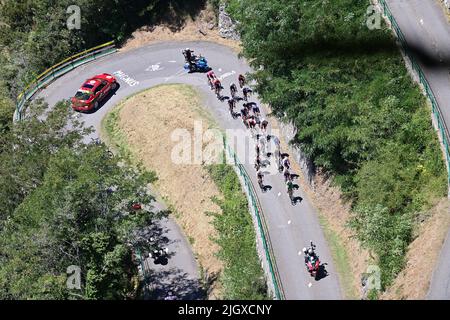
x=83, y=95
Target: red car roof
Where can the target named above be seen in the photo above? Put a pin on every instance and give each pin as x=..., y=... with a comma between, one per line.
x=94, y=82
x=90, y=84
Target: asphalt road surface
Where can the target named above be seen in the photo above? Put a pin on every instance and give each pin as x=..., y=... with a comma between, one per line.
x=291, y=227
x=427, y=32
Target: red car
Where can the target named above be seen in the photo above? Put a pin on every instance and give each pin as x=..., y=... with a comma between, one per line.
x=93, y=91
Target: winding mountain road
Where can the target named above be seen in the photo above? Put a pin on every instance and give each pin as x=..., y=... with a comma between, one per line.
x=290, y=227
x=427, y=32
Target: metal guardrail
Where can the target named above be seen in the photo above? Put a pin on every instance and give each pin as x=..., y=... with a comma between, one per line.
x=262, y=225
x=144, y=275
x=442, y=126
x=58, y=70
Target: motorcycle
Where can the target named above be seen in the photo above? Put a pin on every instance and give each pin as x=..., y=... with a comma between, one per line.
x=312, y=263
x=198, y=65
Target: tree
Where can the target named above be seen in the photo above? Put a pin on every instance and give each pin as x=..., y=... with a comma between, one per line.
x=69, y=203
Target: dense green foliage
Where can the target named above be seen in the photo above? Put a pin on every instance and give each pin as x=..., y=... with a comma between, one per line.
x=242, y=276
x=65, y=203
x=360, y=116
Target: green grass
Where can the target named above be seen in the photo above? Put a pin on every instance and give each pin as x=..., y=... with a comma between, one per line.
x=341, y=260
x=243, y=276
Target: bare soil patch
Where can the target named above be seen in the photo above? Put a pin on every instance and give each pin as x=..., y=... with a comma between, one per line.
x=201, y=28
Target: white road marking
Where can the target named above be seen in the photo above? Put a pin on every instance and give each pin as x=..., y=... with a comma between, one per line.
x=421, y=21
x=126, y=78
x=226, y=75
x=154, y=67
x=289, y=222
x=220, y=69
x=179, y=73
x=172, y=61
x=310, y=285
x=299, y=253
x=279, y=193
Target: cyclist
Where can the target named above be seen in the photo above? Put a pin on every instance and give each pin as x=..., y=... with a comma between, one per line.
x=257, y=163
x=233, y=90
x=290, y=189
x=247, y=92
x=256, y=110
x=217, y=86
x=264, y=124
x=286, y=163
x=251, y=122
x=287, y=175
x=260, y=176
x=231, y=105
x=241, y=79
x=211, y=76
x=257, y=149
x=244, y=113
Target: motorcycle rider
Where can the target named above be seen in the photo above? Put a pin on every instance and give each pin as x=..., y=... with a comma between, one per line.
x=188, y=55
x=310, y=253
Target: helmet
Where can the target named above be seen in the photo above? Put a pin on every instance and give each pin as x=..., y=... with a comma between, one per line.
x=310, y=251
x=304, y=250
x=187, y=49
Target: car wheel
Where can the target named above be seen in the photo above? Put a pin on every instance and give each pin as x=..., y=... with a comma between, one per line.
x=95, y=105
x=114, y=86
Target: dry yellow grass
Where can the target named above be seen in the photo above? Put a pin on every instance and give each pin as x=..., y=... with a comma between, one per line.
x=423, y=253
x=147, y=120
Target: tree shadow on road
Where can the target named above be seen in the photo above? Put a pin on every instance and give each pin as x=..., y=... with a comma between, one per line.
x=173, y=282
